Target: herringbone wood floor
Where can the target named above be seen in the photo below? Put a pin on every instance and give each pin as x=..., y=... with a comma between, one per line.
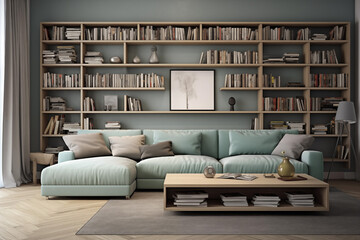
x=24, y=214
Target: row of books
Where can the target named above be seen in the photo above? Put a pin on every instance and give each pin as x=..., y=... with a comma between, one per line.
x=284, y=104
x=110, y=33
x=342, y=152
x=61, y=33
x=55, y=125
x=117, y=80
x=337, y=33
x=324, y=57
x=329, y=80
x=230, y=33
x=285, y=58
x=89, y=104
x=58, y=80
x=54, y=104
x=93, y=58
x=325, y=104
x=283, y=33
x=246, y=80
x=271, y=81
x=88, y=123
x=229, y=57
x=319, y=129
x=169, y=33
x=132, y=104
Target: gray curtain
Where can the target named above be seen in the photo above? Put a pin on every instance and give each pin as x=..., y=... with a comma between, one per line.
x=16, y=112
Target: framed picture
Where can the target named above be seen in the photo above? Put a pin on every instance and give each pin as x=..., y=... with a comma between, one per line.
x=110, y=102
x=192, y=90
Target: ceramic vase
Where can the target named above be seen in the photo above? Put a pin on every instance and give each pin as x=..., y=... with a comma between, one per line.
x=286, y=169
x=154, y=58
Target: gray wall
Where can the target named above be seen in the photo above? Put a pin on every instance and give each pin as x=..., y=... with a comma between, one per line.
x=180, y=10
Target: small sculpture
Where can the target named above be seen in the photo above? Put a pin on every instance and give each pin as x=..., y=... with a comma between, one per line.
x=136, y=59
x=115, y=59
x=209, y=172
x=154, y=58
x=232, y=103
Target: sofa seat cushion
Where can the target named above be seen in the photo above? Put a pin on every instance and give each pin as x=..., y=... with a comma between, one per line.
x=107, y=170
x=158, y=167
x=258, y=164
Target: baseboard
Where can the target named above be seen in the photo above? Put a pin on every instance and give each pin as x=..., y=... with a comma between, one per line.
x=341, y=175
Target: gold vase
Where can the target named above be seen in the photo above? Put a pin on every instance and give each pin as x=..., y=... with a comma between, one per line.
x=286, y=169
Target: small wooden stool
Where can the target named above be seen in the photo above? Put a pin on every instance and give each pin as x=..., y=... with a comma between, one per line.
x=42, y=159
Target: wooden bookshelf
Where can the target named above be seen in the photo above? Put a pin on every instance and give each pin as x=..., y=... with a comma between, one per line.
x=261, y=45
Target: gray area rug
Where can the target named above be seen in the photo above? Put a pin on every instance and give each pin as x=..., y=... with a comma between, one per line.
x=143, y=214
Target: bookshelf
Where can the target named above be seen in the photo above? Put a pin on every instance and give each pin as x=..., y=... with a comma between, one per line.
x=133, y=43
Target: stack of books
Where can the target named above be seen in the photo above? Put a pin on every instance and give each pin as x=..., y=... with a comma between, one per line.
x=234, y=200
x=54, y=150
x=330, y=103
x=50, y=56
x=71, y=128
x=73, y=33
x=191, y=199
x=278, y=125
x=266, y=200
x=298, y=199
x=299, y=126
x=93, y=58
x=291, y=57
x=54, y=104
x=295, y=84
x=66, y=54
x=319, y=129
x=319, y=36
x=113, y=125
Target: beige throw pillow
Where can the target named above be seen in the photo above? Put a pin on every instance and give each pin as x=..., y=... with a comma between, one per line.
x=127, y=146
x=87, y=145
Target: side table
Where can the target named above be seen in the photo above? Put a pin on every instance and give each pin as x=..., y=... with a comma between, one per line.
x=42, y=159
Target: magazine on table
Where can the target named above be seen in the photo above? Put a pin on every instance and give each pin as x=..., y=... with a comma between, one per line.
x=238, y=176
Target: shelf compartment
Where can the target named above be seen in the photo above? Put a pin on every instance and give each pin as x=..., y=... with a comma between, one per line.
x=323, y=112
x=329, y=65
x=62, y=42
x=284, y=88
x=284, y=65
x=62, y=65
x=328, y=89
x=283, y=112
x=60, y=112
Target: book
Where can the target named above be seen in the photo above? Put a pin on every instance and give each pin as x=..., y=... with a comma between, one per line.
x=238, y=176
x=191, y=194
x=47, y=129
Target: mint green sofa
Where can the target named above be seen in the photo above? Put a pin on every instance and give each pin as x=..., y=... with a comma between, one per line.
x=118, y=176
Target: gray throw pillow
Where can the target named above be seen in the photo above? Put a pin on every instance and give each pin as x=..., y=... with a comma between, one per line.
x=157, y=150
x=87, y=145
x=293, y=145
x=127, y=146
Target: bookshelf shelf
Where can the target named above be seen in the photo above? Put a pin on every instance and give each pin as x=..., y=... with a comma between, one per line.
x=171, y=112
x=127, y=49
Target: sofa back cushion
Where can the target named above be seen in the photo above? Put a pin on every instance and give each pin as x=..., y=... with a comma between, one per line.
x=109, y=133
x=250, y=143
x=185, y=141
x=90, y=145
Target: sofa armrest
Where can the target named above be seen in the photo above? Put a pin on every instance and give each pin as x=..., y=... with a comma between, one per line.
x=65, y=156
x=315, y=162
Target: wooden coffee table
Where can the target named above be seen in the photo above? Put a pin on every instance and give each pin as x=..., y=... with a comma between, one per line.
x=215, y=186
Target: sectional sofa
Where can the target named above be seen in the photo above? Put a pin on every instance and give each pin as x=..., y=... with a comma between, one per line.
x=230, y=151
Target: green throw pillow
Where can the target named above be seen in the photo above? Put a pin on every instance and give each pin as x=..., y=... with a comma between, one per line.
x=253, y=142
x=184, y=143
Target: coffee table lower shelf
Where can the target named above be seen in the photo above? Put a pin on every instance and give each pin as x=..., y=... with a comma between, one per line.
x=214, y=187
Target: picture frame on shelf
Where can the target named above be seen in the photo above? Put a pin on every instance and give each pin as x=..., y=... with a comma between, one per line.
x=192, y=90
x=110, y=103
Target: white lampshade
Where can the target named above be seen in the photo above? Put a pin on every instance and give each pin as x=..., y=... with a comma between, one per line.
x=346, y=112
